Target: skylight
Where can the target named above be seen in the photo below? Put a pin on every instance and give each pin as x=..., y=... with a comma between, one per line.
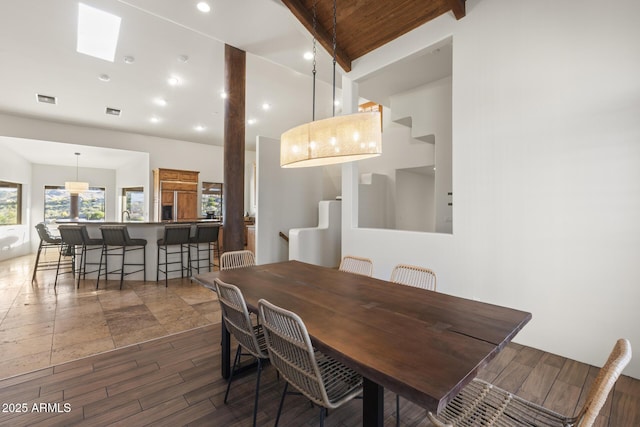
x=97, y=32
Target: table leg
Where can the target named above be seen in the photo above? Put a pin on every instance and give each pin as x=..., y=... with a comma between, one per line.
x=225, y=353
x=372, y=404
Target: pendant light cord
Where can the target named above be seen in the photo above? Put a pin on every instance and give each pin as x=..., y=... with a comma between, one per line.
x=334, y=57
x=315, y=19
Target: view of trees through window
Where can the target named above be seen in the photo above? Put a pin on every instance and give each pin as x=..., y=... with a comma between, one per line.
x=10, y=203
x=211, y=199
x=134, y=203
x=57, y=204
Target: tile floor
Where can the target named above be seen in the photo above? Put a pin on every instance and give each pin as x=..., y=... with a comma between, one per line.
x=41, y=326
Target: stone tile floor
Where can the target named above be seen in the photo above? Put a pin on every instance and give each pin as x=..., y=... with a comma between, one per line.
x=41, y=326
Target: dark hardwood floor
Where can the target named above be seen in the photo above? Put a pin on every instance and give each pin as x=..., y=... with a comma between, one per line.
x=175, y=380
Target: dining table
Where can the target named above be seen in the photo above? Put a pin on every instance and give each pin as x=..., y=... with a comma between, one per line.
x=423, y=345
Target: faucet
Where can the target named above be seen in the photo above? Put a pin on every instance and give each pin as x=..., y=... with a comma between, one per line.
x=127, y=213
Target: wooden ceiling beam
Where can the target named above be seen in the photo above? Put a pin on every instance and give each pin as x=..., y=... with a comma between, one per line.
x=322, y=35
x=458, y=8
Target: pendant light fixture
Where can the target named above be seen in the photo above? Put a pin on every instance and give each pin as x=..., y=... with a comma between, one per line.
x=76, y=187
x=334, y=140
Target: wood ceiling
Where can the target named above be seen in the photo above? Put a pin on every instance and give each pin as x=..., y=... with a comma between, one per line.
x=364, y=25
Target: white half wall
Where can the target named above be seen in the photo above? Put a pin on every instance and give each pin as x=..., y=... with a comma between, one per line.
x=546, y=171
x=14, y=239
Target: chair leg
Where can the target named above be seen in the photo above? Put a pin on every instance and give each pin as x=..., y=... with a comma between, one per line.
x=235, y=363
x=255, y=403
x=284, y=393
x=321, y=417
x=82, y=267
x=55, y=283
x=35, y=266
x=158, y=269
x=124, y=253
x=397, y=410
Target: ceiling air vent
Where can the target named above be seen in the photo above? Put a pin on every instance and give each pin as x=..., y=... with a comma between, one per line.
x=46, y=99
x=112, y=111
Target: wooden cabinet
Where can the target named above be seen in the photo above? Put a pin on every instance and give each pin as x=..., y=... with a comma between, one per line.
x=175, y=194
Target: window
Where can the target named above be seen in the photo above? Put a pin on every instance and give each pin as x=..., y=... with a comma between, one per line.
x=10, y=203
x=133, y=202
x=57, y=204
x=211, y=199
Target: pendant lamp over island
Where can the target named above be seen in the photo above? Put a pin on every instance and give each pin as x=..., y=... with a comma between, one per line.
x=338, y=139
x=76, y=187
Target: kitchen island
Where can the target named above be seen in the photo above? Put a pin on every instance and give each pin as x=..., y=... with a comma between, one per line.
x=151, y=231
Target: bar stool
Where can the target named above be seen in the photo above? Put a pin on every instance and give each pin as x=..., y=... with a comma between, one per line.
x=205, y=234
x=47, y=240
x=174, y=235
x=116, y=242
x=76, y=237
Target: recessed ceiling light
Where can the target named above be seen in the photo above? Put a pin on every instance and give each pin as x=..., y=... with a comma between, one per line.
x=308, y=56
x=223, y=95
x=104, y=77
x=154, y=119
x=204, y=7
x=266, y=106
x=199, y=128
x=336, y=102
x=46, y=99
x=251, y=121
x=183, y=58
x=97, y=32
x=160, y=101
x=129, y=59
x=173, y=81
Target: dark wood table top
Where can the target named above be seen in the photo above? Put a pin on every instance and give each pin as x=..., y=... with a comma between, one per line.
x=420, y=344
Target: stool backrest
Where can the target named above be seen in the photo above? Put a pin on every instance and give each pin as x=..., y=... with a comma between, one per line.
x=44, y=233
x=115, y=235
x=176, y=234
x=72, y=234
x=206, y=233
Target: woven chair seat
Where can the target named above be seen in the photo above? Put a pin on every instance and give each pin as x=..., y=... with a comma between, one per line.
x=483, y=404
x=340, y=382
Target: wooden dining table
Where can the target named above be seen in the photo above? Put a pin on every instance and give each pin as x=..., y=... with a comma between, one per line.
x=423, y=345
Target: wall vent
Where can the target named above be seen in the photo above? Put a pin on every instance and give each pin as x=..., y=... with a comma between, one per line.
x=46, y=99
x=112, y=111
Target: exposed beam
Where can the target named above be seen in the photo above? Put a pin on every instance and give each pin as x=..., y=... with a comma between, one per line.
x=322, y=34
x=458, y=8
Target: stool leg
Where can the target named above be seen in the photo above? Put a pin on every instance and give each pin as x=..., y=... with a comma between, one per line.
x=124, y=251
x=35, y=267
x=55, y=283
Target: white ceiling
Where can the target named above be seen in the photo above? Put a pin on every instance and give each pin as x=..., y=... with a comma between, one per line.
x=37, y=52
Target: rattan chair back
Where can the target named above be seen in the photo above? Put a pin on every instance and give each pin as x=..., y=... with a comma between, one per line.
x=356, y=265
x=607, y=377
x=411, y=275
x=236, y=259
x=236, y=319
x=329, y=384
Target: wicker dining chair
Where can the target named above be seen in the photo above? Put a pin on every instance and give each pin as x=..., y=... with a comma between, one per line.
x=481, y=403
x=250, y=338
x=322, y=379
x=411, y=275
x=356, y=265
x=236, y=259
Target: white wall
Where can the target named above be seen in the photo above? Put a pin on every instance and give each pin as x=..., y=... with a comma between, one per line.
x=14, y=239
x=287, y=198
x=546, y=170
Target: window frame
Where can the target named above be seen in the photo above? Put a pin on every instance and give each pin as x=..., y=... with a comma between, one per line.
x=18, y=207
